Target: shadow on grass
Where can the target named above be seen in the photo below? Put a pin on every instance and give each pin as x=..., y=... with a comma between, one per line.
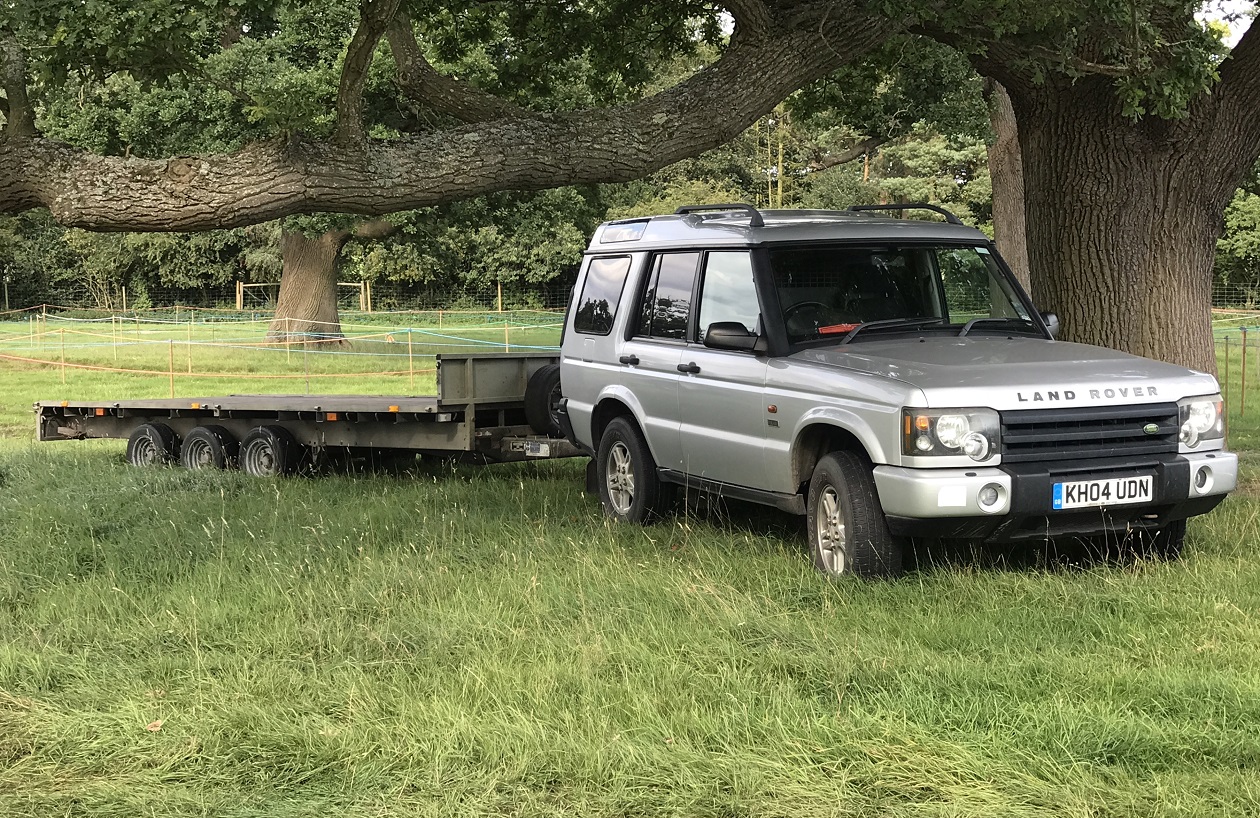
x=1063, y=554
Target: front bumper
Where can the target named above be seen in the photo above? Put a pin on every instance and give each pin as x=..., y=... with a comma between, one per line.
x=945, y=503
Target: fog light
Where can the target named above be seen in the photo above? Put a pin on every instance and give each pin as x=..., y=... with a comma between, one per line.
x=1203, y=480
x=991, y=497
x=923, y=443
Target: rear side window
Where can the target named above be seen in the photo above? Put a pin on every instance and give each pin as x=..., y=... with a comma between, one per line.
x=666, y=305
x=601, y=292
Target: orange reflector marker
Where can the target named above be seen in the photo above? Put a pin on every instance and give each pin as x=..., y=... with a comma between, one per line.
x=330, y=416
x=393, y=408
x=907, y=425
x=195, y=405
x=65, y=403
x=100, y=412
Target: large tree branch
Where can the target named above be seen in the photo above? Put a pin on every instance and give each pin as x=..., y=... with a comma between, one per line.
x=752, y=18
x=846, y=156
x=1231, y=124
x=446, y=95
x=20, y=120
x=264, y=181
x=375, y=17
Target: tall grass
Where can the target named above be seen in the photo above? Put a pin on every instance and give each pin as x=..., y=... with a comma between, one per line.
x=460, y=640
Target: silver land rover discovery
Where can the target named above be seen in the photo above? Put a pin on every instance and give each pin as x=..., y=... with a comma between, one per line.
x=886, y=377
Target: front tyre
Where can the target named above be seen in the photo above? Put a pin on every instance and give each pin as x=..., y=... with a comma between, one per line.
x=847, y=530
x=1165, y=543
x=629, y=488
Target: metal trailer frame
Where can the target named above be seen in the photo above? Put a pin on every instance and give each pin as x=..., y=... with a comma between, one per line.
x=478, y=410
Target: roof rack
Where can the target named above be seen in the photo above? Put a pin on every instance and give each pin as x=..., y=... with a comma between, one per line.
x=754, y=215
x=949, y=217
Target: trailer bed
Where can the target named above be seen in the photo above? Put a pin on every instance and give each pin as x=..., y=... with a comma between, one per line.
x=479, y=409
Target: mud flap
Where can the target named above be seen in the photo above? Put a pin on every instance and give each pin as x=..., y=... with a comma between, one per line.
x=592, y=477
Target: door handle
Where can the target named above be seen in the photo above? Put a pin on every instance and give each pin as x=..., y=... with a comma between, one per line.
x=632, y=360
x=689, y=369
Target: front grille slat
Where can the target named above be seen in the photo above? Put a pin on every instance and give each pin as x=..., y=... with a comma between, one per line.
x=1030, y=435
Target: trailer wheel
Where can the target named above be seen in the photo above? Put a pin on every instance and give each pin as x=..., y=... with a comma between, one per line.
x=152, y=444
x=208, y=447
x=847, y=530
x=629, y=488
x=269, y=451
x=542, y=401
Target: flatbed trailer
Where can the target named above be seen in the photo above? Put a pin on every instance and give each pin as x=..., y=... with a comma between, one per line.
x=482, y=409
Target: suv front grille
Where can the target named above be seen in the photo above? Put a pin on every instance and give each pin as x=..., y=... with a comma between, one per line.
x=1088, y=432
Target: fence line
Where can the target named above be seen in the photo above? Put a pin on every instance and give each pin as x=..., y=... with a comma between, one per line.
x=364, y=296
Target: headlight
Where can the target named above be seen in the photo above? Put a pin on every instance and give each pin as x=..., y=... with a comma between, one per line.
x=1201, y=419
x=969, y=432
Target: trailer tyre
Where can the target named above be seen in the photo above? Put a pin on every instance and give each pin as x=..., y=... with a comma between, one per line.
x=848, y=533
x=152, y=444
x=629, y=488
x=269, y=451
x=208, y=447
x=542, y=401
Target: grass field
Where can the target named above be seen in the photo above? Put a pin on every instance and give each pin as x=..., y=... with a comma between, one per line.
x=481, y=641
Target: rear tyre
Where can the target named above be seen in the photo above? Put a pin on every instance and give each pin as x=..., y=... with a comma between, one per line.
x=542, y=401
x=848, y=533
x=152, y=444
x=629, y=488
x=208, y=447
x=269, y=451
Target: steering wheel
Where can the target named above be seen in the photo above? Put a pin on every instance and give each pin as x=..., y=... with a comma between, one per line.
x=804, y=318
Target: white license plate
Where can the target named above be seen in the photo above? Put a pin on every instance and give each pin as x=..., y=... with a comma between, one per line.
x=1095, y=493
x=535, y=448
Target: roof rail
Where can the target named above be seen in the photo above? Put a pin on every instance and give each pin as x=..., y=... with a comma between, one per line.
x=754, y=215
x=949, y=217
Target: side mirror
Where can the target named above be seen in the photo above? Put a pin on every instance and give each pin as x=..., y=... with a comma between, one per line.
x=1052, y=323
x=729, y=335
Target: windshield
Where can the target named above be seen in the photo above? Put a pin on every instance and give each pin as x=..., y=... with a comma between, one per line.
x=829, y=291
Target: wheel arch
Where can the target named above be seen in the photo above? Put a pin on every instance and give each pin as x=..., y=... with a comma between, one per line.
x=816, y=440
x=610, y=406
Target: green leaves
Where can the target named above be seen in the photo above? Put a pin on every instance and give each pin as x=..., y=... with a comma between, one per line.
x=1159, y=56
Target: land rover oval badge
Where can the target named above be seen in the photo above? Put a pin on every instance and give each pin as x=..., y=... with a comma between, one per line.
x=1151, y=428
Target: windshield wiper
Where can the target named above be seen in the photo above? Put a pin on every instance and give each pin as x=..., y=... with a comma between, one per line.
x=1023, y=323
x=891, y=323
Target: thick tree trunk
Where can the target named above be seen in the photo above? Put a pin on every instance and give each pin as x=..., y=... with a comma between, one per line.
x=1006, y=171
x=1121, y=231
x=306, y=310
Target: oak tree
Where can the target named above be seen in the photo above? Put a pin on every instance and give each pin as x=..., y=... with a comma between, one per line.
x=1136, y=125
x=343, y=107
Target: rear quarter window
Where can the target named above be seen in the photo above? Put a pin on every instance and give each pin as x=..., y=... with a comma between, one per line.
x=601, y=293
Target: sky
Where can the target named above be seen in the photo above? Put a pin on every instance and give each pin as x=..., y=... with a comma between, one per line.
x=1221, y=9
